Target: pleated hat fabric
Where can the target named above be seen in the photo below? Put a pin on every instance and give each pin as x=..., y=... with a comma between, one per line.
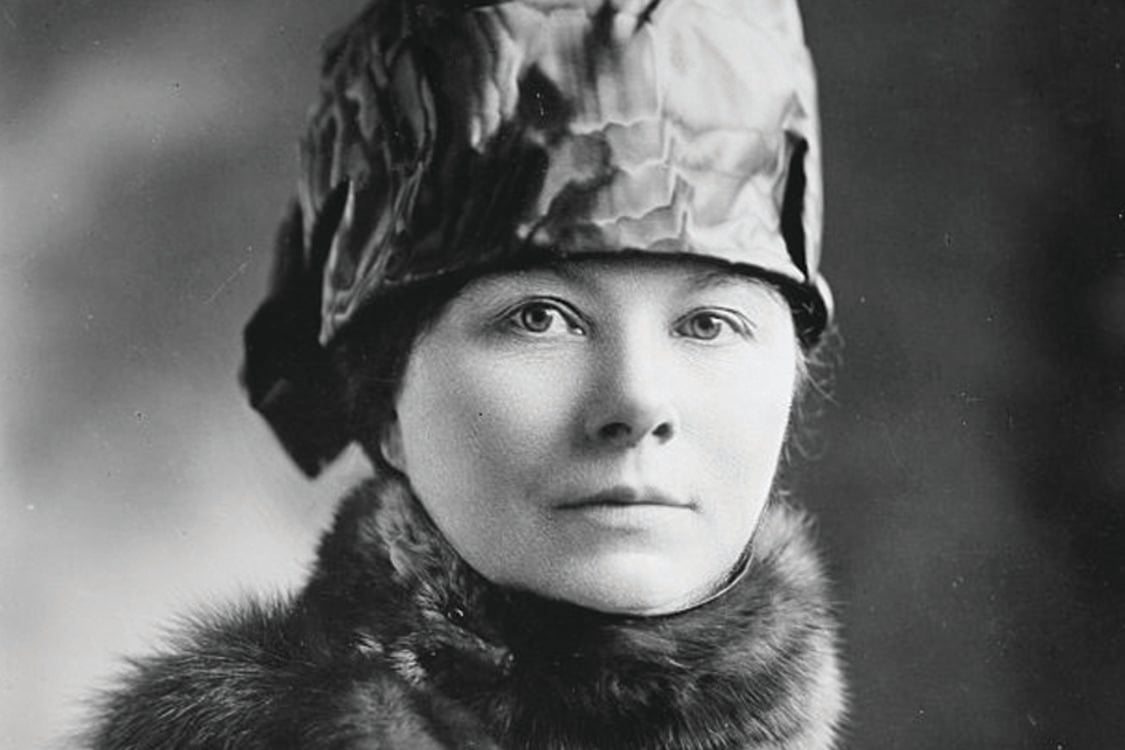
x=450, y=136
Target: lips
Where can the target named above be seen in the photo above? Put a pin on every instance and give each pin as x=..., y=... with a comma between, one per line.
x=624, y=497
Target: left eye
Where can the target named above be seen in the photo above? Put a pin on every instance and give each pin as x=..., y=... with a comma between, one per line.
x=543, y=318
x=708, y=326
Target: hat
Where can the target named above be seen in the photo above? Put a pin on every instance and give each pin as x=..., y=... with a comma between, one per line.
x=452, y=136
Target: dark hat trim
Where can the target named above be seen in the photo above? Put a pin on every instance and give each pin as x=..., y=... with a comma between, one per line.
x=287, y=375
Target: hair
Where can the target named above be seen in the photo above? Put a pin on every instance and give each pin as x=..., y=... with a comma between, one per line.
x=370, y=356
x=816, y=369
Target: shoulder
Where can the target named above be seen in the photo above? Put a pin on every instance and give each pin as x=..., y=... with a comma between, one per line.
x=206, y=686
x=265, y=675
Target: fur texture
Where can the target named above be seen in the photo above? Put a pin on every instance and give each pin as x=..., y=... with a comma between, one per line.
x=396, y=643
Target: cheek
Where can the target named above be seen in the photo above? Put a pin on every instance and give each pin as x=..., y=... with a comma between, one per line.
x=741, y=420
x=482, y=422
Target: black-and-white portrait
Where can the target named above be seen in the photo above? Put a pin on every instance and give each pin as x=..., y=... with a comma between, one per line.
x=562, y=374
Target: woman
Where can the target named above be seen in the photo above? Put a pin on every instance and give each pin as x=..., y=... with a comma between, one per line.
x=554, y=267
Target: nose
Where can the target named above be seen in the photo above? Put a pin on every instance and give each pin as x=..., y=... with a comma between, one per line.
x=632, y=398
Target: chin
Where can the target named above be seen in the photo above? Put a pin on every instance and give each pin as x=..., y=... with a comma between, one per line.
x=633, y=584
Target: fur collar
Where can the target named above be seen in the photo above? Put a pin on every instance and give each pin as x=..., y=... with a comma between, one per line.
x=754, y=668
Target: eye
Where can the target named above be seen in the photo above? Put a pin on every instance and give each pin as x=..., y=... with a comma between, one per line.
x=709, y=325
x=540, y=317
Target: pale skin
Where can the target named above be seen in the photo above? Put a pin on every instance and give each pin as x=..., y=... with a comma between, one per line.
x=605, y=432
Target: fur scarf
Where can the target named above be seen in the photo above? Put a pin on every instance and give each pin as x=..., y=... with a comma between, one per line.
x=396, y=643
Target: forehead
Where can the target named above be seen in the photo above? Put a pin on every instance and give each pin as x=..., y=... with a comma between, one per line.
x=612, y=275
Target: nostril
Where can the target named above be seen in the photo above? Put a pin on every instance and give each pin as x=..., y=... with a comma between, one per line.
x=621, y=432
x=614, y=431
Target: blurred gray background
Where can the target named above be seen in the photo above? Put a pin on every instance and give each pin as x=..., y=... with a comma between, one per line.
x=971, y=482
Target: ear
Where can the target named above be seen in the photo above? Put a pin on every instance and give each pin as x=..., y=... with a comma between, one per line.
x=390, y=445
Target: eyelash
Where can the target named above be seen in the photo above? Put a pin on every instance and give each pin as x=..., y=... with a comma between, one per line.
x=515, y=319
x=733, y=321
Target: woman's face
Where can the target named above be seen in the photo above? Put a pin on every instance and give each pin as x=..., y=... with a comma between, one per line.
x=605, y=432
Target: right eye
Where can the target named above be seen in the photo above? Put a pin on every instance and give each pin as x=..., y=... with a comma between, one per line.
x=543, y=318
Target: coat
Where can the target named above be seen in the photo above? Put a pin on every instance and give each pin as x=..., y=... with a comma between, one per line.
x=395, y=642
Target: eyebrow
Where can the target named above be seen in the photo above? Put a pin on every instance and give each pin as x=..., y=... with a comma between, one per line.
x=699, y=279
x=703, y=277
x=707, y=279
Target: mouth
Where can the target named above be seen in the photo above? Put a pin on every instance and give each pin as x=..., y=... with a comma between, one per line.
x=625, y=497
